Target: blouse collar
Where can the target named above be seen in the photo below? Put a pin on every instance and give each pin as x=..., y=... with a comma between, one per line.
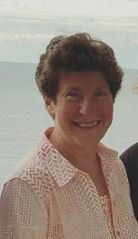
x=61, y=169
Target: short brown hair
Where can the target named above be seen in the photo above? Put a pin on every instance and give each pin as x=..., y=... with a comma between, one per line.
x=78, y=52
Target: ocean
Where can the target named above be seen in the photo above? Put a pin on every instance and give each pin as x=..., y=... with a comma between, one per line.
x=23, y=116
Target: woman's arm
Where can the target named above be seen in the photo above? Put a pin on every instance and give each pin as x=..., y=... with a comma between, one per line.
x=22, y=214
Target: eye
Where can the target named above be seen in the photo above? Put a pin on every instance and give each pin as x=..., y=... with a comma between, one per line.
x=72, y=96
x=103, y=94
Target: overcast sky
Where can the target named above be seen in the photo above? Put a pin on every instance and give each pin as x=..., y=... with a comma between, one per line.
x=92, y=7
x=26, y=26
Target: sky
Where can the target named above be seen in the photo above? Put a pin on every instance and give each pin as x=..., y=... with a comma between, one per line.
x=92, y=7
x=27, y=26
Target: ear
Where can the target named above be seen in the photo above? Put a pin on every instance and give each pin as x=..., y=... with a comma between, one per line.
x=47, y=100
x=50, y=105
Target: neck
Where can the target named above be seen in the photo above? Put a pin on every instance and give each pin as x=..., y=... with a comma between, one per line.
x=81, y=157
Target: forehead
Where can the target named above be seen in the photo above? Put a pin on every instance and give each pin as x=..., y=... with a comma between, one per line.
x=82, y=80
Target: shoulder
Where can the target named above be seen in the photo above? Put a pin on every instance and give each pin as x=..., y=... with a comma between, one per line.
x=131, y=151
x=33, y=172
x=112, y=165
x=130, y=161
x=119, y=168
x=130, y=156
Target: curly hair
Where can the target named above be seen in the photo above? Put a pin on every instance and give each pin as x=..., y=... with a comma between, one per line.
x=78, y=52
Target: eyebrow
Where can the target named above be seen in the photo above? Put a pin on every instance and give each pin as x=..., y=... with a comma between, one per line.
x=103, y=88
x=72, y=88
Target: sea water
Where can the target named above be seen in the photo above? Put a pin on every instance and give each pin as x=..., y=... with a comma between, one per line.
x=23, y=117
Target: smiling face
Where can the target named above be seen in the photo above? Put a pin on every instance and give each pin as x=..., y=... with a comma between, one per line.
x=83, y=109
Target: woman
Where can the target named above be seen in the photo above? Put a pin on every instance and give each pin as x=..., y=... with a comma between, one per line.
x=71, y=185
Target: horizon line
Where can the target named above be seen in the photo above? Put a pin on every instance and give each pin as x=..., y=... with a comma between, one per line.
x=35, y=63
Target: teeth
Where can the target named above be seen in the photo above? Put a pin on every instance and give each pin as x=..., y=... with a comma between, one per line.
x=88, y=124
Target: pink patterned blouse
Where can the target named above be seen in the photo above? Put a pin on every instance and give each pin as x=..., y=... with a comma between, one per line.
x=48, y=198
x=107, y=209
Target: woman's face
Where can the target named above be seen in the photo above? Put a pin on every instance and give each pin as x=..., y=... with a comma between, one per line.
x=83, y=109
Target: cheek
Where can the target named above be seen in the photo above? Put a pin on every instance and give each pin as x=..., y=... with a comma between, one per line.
x=67, y=110
x=107, y=111
x=63, y=113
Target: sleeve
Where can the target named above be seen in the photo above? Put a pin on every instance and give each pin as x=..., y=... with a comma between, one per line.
x=130, y=156
x=22, y=214
x=130, y=160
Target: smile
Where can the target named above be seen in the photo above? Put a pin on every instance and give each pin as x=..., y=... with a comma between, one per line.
x=88, y=124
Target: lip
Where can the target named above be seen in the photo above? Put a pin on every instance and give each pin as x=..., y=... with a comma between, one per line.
x=87, y=124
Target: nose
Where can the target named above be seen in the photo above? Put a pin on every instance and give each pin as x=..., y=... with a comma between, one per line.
x=85, y=107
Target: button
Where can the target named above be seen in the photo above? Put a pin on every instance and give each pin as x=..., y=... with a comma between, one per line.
x=118, y=233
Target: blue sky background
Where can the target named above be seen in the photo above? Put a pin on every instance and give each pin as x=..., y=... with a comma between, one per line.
x=27, y=26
